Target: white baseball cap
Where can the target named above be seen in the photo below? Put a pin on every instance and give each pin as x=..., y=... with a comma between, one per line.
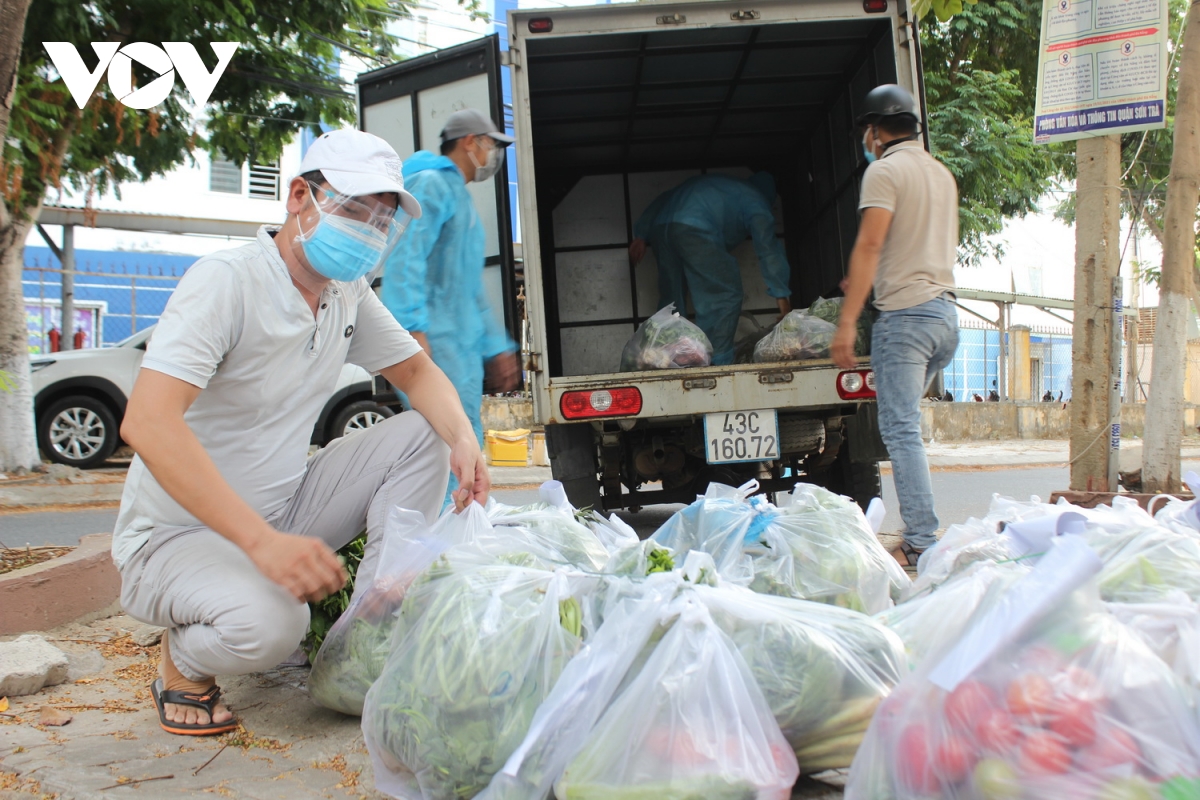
x=359, y=163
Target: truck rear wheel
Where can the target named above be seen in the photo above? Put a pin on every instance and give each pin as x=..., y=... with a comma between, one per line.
x=572, y=451
x=859, y=482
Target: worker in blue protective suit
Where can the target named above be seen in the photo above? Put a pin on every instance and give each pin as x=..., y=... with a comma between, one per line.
x=433, y=278
x=692, y=229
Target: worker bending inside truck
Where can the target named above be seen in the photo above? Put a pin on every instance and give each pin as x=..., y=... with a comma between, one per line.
x=906, y=247
x=692, y=229
x=227, y=529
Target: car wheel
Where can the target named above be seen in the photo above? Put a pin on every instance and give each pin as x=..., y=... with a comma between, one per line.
x=78, y=431
x=358, y=416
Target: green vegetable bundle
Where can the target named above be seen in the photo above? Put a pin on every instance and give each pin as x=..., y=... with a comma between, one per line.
x=475, y=652
x=798, y=336
x=830, y=310
x=666, y=341
x=560, y=529
x=822, y=670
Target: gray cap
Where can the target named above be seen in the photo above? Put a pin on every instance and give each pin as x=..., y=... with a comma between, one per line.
x=469, y=121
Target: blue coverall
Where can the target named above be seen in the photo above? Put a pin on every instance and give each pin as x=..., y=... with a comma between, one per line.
x=692, y=228
x=433, y=280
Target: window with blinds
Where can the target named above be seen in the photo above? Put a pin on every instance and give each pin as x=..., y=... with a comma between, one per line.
x=264, y=181
x=225, y=176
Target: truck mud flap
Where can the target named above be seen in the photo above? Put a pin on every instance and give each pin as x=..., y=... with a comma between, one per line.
x=572, y=451
x=862, y=429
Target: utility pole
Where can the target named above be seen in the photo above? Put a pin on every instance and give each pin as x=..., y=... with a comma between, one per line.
x=1095, y=349
x=68, y=288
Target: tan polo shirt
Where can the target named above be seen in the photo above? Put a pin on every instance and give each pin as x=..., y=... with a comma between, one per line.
x=917, y=262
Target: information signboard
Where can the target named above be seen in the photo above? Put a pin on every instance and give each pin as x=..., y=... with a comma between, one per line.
x=1102, y=68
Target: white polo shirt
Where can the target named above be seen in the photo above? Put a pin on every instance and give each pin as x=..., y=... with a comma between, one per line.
x=239, y=329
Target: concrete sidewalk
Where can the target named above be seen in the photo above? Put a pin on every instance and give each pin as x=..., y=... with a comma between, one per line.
x=1031, y=453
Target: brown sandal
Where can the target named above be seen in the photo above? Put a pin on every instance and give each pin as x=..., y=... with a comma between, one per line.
x=911, y=556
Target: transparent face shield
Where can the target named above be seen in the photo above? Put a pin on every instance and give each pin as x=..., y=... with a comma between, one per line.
x=348, y=236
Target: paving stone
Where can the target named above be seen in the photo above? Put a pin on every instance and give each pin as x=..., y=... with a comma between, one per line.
x=147, y=635
x=29, y=663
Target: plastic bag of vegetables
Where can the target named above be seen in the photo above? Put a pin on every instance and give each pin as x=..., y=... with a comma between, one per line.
x=354, y=650
x=1171, y=628
x=666, y=341
x=929, y=622
x=475, y=652
x=796, y=337
x=557, y=525
x=830, y=310
x=817, y=546
x=690, y=724
x=822, y=670
x=1045, y=695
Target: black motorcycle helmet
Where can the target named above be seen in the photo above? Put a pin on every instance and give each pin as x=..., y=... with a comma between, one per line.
x=888, y=100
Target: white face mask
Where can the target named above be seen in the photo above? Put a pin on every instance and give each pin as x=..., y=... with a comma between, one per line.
x=486, y=170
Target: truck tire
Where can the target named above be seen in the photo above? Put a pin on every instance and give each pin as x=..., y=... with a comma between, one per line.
x=572, y=451
x=860, y=482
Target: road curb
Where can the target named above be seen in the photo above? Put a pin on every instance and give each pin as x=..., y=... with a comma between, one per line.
x=81, y=586
x=32, y=495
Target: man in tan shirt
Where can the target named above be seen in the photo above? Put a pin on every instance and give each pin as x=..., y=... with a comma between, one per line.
x=905, y=250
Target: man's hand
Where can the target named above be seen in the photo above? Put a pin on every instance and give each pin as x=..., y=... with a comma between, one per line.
x=843, y=345
x=637, y=251
x=503, y=373
x=304, y=565
x=785, y=306
x=474, y=483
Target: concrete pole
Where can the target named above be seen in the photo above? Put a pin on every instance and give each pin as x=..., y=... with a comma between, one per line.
x=68, y=288
x=1097, y=263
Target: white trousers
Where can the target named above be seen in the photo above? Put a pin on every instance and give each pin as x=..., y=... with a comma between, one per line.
x=225, y=617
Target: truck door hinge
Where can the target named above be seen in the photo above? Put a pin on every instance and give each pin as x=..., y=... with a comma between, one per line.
x=531, y=362
x=510, y=58
x=743, y=15
x=672, y=19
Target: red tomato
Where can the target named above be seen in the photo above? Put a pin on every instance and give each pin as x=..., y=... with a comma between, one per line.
x=1074, y=721
x=997, y=732
x=1031, y=698
x=1044, y=753
x=968, y=703
x=953, y=760
x=912, y=752
x=1113, y=748
x=1079, y=682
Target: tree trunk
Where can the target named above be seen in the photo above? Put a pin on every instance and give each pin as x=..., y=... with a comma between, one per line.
x=18, y=443
x=1164, y=409
x=12, y=31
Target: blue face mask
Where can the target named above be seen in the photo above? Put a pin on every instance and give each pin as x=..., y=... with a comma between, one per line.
x=868, y=151
x=343, y=249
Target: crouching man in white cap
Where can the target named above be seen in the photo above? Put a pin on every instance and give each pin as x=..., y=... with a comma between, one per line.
x=225, y=532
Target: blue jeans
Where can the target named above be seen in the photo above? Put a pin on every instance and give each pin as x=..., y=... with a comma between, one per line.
x=908, y=348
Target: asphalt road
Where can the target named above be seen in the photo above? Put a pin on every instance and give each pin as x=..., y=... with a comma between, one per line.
x=958, y=495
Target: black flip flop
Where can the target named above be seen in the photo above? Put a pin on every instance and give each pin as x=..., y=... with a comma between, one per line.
x=207, y=701
x=911, y=555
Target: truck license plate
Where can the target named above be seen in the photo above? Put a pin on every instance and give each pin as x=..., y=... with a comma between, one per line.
x=735, y=436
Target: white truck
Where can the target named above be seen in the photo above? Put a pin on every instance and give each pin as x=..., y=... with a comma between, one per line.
x=612, y=105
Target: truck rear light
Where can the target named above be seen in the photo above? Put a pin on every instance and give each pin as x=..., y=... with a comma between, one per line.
x=545, y=24
x=875, y=6
x=623, y=402
x=857, y=384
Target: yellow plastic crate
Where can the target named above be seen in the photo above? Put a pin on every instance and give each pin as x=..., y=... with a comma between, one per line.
x=507, y=448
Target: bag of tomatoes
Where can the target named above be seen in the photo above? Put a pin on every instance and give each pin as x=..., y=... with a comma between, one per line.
x=1045, y=695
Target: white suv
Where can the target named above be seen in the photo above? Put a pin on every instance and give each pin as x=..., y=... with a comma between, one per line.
x=80, y=396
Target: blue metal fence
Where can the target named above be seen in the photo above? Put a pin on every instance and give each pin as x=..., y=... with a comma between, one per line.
x=116, y=294
x=975, y=370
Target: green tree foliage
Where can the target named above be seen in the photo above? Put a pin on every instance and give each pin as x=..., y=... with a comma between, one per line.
x=980, y=81
x=283, y=77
